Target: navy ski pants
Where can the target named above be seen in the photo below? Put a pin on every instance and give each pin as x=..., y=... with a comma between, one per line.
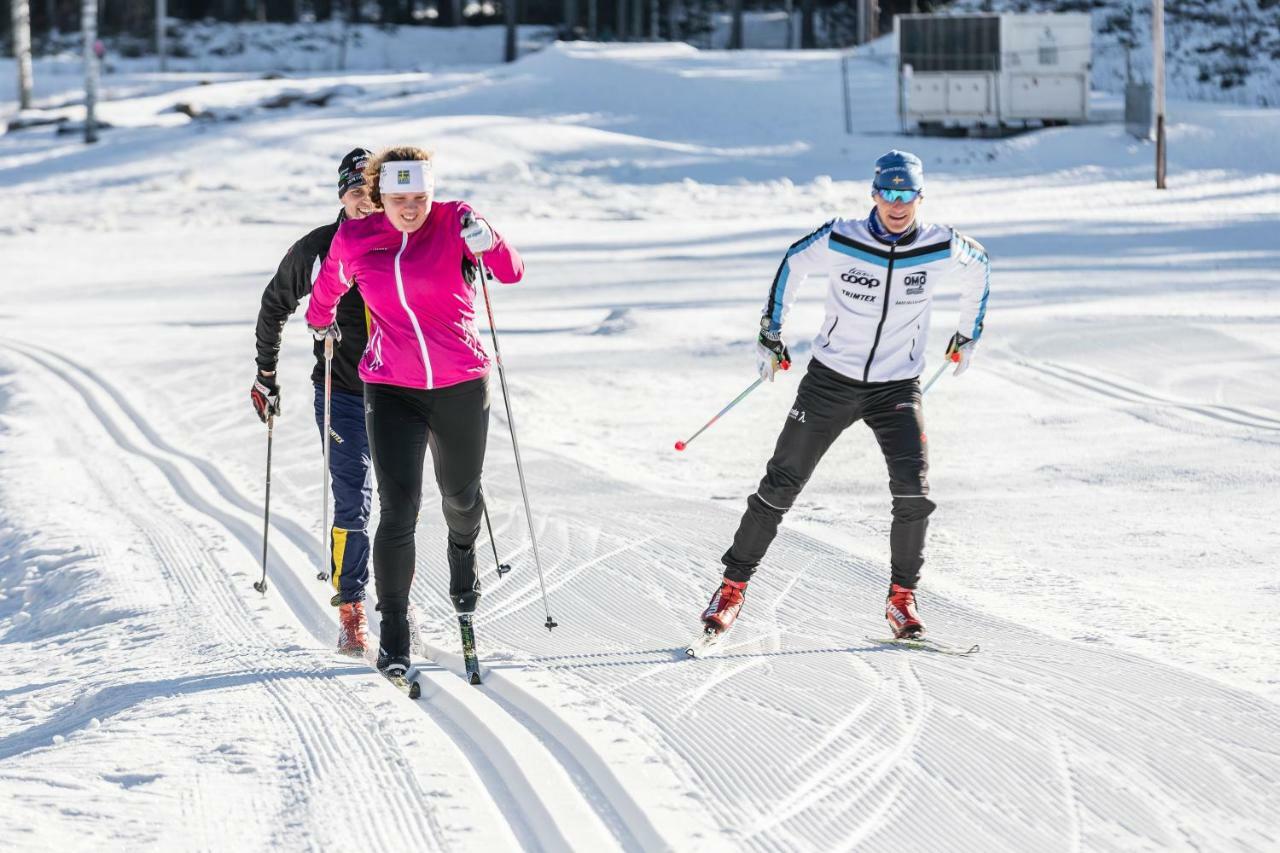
x=351, y=480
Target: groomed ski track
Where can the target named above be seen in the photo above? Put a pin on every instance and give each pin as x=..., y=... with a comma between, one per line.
x=798, y=735
x=541, y=804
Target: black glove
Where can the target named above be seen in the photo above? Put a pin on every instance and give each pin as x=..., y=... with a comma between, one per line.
x=265, y=395
x=960, y=350
x=771, y=354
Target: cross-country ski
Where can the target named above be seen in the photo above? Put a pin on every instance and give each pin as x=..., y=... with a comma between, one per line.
x=928, y=644
x=470, y=660
x=705, y=644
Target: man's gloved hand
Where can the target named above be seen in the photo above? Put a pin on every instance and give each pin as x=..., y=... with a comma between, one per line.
x=329, y=331
x=478, y=235
x=265, y=395
x=771, y=354
x=960, y=350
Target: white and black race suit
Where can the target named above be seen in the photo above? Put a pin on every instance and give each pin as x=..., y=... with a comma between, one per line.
x=866, y=366
x=880, y=293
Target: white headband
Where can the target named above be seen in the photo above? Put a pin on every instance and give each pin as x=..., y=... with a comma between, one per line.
x=406, y=176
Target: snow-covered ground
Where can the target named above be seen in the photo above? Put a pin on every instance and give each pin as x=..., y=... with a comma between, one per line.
x=1106, y=476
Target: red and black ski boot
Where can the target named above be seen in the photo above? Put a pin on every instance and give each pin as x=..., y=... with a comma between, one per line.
x=353, y=629
x=724, y=606
x=900, y=613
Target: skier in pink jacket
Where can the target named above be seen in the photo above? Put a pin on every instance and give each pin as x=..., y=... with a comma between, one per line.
x=424, y=368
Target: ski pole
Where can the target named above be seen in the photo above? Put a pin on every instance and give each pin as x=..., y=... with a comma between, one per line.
x=261, y=586
x=681, y=445
x=503, y=568
x=955, y=356
x=511, y=424
x=323, y=574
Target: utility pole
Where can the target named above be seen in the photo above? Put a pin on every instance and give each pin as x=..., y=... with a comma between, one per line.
x=89, y=26
x=1157, y=52
x=22, y=50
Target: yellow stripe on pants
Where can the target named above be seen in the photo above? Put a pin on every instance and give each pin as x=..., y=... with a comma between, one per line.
x=339, y=549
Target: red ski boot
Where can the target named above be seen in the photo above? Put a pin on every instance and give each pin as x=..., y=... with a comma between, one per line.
x=724, y=606
x=353, y=630
x=900, y=611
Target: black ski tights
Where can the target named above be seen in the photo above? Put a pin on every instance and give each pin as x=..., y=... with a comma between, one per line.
x=827, y=404
x=403, y=423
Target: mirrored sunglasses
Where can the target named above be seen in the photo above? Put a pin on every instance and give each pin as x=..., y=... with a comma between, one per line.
x=905, y=196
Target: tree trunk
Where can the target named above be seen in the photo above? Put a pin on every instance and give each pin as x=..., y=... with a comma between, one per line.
x=511, y=29
x=808, y=35
x=655, y=12
x=89, y=27
x=22, y=50
x=162, y=43
x=735, y=29
x=620, y=26
x=593, y=19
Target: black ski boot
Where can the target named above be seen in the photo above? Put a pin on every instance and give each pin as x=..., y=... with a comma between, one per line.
x=464, y=585
x=393, y=645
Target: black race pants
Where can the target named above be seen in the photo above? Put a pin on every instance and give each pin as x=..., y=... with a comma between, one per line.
x=402, y=423
x=827, y=404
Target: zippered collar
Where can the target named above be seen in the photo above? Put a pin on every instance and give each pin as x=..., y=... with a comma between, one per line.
x=885, y=236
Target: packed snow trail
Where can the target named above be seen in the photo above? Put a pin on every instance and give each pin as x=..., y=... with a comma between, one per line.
x=528, y=785
x=820, y=737
x=189, y=665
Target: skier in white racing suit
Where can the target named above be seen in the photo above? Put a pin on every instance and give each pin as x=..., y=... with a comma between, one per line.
x=867, y=358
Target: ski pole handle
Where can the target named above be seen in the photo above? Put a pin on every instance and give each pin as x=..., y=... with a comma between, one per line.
x=681, y=445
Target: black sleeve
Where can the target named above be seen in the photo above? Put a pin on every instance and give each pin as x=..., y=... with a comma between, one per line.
x=291, y=282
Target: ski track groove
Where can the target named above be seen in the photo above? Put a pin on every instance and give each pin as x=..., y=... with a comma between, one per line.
x=608, y=804
x=612, y=804
x=1101, y=386
x=181, y=554
x=1072, y=803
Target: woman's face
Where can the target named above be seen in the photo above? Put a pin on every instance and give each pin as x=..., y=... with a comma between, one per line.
x=406, y=211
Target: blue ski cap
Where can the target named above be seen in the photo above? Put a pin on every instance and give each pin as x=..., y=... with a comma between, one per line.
x=899, y=170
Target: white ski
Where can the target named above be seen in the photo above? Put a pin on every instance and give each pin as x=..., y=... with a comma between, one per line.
x=705, y=644
x=927, y=644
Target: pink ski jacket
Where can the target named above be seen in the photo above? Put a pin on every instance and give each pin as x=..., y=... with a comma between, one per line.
x=421, y=310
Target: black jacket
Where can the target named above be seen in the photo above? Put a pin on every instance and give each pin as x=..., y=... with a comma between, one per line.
x=291, y=282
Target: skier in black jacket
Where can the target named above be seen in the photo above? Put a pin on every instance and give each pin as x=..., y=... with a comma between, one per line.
x=349, y=449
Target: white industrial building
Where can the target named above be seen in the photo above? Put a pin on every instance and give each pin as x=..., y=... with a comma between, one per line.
x=985, y=72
